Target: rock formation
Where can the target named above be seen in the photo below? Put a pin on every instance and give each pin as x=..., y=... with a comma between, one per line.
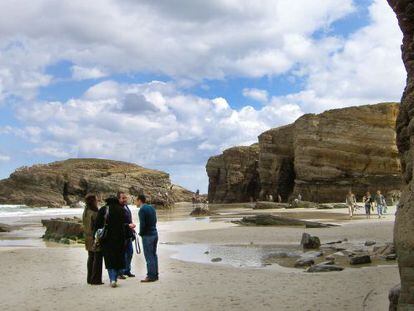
x=342, y=149
x=63, y=230
x=276, y=159
x=404, y=223
x=320, y=156
x=67, y=182
x=233, y=175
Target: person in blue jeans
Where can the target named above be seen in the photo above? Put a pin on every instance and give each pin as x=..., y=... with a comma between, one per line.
x=129, y=236
x=112, y=217
x=149, y=234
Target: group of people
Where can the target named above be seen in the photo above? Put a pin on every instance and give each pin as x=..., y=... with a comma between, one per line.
x=369, y=201
x=116, y=248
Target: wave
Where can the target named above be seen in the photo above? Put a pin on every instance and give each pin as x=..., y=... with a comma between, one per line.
x=9, y=210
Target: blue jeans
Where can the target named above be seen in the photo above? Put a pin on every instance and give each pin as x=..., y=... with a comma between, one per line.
x=113, y=274
x=129, y=252
x=149, y=244
x=379, y=209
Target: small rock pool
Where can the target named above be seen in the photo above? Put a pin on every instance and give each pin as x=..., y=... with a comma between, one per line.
x=260, y=256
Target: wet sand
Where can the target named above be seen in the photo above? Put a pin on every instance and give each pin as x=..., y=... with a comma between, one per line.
x=53, y=278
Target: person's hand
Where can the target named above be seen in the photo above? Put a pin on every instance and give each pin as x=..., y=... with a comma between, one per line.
x=132, y=226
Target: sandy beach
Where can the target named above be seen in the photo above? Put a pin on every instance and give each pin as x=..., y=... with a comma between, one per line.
x=52, y=276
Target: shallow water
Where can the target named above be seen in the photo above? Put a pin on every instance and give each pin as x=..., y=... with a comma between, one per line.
x=29, y=229
x=256, y=256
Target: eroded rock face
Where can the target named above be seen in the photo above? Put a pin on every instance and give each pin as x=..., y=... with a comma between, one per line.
x=276, y=156
x=342, y=149
x=67, y=182
x=404, y=223
x=320, y=156
x=233, y=175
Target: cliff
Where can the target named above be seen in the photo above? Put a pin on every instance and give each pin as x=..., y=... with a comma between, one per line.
x=276, y=157
x=320, y=156
x=67, y=182
x=351, y=148
x=233, y=175
x=404, y=222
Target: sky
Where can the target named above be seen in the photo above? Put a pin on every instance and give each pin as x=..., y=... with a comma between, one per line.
x=168, y=83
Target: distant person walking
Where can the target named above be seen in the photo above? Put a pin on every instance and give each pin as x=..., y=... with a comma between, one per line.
x=350, y=202
x=368, y=200
x=148, y=232
x=94, y=265
x=113, y=217
x=380, y=202
x=129, y=235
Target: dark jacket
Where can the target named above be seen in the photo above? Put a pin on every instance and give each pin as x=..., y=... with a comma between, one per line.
x=147, y=220
x=129, y=233
x=113, y=246
x=89, y=224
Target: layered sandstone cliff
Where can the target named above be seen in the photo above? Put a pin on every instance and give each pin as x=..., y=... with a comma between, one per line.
x=404, y=223
x=320, y=156
x=276, y=158
x=342, y=149
x=233, y=175
x=67, y=182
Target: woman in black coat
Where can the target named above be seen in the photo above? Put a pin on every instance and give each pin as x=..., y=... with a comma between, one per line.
x=113, y=245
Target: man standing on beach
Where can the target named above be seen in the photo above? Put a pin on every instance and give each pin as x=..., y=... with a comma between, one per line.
x=148, y=232
x=129, y=235
x=380, y=202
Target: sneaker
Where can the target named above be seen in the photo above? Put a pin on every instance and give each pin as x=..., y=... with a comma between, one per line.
x=130, y=275
x=113, y=284
x=122, y=277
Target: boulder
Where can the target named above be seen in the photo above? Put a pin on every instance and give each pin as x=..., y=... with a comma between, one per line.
x=312, y=254
x=384, y=250
x=328, y=262
x=62, y=230
x=391, y=257
x=273, y=220
x=359, y=260
x=199, y=211
x=370, y=243
x=310, y=242
x=324, y=268
x=269, y=205
x=218, y=259
x=304, y=262
x=5, y=228
x=65, y=183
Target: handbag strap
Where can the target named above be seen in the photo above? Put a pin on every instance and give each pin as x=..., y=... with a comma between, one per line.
x=137, y=246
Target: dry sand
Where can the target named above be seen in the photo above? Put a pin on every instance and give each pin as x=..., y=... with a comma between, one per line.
x=53, y=278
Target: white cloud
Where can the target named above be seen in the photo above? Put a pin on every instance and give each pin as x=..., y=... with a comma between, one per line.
x=185, y=130
x=83, y=73
x=214, y=39
x=364, y=69
x=51, y=151
x=4, y=158
x=256, y=94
